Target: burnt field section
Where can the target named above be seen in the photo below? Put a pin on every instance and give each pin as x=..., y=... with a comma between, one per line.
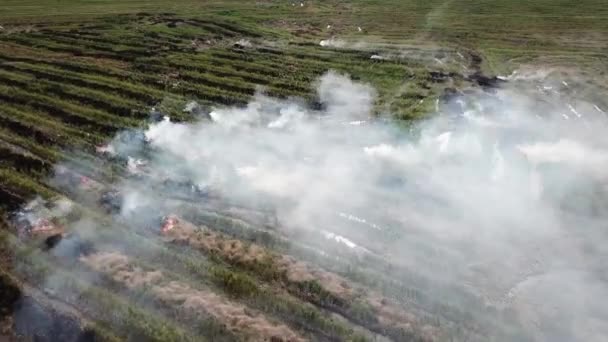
x=68, y=87
x=209, y=269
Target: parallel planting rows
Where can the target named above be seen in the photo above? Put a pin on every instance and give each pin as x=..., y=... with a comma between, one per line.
x=76, y=84
x=66, y=88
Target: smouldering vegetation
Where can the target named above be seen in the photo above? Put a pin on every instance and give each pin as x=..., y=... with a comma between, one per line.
x=73, y=73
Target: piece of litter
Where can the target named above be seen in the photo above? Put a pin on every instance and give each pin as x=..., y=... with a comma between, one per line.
x=351, y=217
x=360, y=29
x=190, y=106
x=574, y=110
x=444, y=141
x=339, y=239
x=599, y=109
x=356, y=123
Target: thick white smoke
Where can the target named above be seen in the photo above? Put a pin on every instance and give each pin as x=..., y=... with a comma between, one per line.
x=497, y=193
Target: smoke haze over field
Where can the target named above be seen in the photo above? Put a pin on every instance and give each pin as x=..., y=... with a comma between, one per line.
x=501, y=195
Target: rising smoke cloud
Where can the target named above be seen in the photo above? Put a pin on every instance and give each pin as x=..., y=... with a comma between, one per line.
x=498, y=194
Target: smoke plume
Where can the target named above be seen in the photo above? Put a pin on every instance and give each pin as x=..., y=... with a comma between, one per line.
x=500, y=195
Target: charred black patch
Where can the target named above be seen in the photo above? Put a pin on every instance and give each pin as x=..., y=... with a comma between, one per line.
x=111, y=201
x=10, y=293
x=485, y=82
x=69, y=247
x=52, y=241
x=476, y=61
x=45, y=324
x=175, y=23
x=449, y=94
x=9, y=200
x=441, y=77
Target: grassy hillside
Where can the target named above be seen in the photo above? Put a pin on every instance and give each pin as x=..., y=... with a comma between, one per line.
x=74, y=72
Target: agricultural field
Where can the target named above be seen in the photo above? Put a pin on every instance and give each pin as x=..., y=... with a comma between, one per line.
x=126, y=214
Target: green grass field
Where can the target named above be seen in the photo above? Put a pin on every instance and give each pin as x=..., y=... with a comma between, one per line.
x=74, y=72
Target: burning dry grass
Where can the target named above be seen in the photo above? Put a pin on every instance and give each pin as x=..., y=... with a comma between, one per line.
x=308, y=280
x=189, y=301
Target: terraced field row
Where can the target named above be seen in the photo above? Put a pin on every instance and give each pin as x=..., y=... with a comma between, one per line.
x=68, y=87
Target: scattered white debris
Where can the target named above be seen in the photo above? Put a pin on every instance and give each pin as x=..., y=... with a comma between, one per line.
x=338, y=238
x=439, y=61
x=444, y=141
x=335, y=43
x=328, y=27
x=460, y=55
x=437, y=105
x=190, y=107
x=134, y=166
x=246, y=171
x=565, y=116
x=547, y=87
x=565, y=83
x=565, y=151
x=351, y=217
x=106, y=149
x=301, y=4
x=599, y=109
x=357, y=123
x=378, y=58
x=215, y=117
x=1, y=28
x=502, y=78
x=359, y=29
x=383, y=150
x=574, y=111
x=243, y=43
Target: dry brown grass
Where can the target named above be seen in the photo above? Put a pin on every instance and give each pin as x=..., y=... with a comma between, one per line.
x=189, y=301
x=253, y=256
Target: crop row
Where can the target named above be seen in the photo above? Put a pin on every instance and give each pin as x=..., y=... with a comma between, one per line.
x=43, y=127
x=17, y=91
x=109, y=310
x=96, y=99
x=324, y=289
x=368, y=270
